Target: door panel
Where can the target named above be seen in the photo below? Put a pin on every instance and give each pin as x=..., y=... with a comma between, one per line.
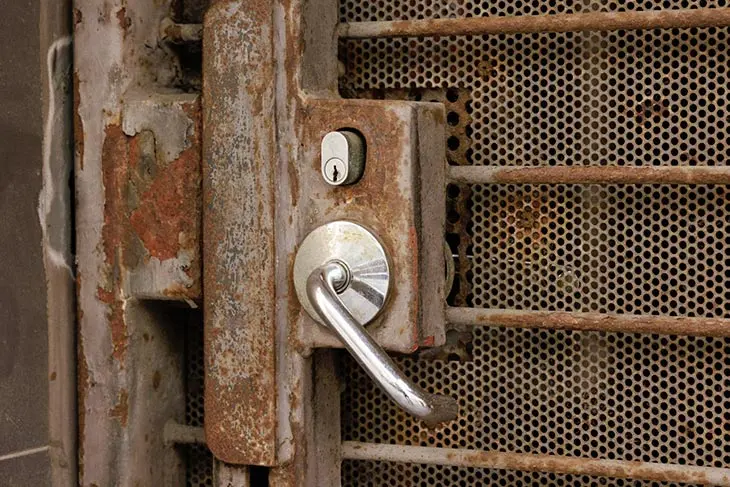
x=547, y=181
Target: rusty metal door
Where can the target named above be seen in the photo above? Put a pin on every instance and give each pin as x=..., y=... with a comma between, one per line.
x=548, y=180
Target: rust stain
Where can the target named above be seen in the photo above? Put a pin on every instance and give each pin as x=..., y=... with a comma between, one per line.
x=179, y=291
x=114, y=159
x=114, y=175
x=294, y=181
x=156, y=379
x=240, y=398
x=117, y=324
x=649, y=110
x=167, y=210
x=167, y=217
x=121, y=410
x=124, y=21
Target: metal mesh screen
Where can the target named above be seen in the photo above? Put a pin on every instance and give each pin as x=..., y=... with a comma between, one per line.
x=588, y=394
x=379, y=474
x=630, y=98
x=630, y=249
x=612, y=98
x=199, y=467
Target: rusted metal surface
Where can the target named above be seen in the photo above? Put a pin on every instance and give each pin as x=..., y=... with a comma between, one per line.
x=558, y=320
x=163, y=195
x=129, y=380
x=598, y=21
x=400, y=198
x=239, y=150
x=591, y=175
x=260, y=404
x=537, y=463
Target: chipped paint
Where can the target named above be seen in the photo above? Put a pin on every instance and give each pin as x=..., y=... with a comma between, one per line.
x=115, y=49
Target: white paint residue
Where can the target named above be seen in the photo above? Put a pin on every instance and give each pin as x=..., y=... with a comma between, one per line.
x=48, y=191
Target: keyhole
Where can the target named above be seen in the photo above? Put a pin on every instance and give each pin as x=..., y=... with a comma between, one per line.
x=335, y=173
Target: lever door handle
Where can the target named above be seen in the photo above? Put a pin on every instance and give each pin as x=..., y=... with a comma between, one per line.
x=323, y=285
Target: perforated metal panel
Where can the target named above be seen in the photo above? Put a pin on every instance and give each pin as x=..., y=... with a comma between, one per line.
x=630, y=249
x=199, y=459
x=599, y=395
x=626, y=98
x=602, y=98
x=379, y=474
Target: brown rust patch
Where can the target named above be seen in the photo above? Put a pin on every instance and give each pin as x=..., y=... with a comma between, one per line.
x=82, y=387
x=167, y=218
x=124, y=21
x=156, y=379
x=293, y=181
x=167, y=210
x=114, y=175
x=650, y=110
x=118, y=327
x=121, y=410
x=114, y=157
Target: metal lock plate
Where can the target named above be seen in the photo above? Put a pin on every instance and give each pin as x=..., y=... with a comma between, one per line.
x=364, y=257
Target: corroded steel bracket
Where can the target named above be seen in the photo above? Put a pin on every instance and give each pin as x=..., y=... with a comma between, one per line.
x=400, y=197
x=263, y=192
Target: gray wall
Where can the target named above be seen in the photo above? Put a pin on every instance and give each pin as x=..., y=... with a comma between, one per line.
x=27, y=27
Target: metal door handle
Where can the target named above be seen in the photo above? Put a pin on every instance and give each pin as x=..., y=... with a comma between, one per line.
x=323, y=285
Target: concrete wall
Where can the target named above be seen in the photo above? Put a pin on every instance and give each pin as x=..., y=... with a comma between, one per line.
x=35, y=237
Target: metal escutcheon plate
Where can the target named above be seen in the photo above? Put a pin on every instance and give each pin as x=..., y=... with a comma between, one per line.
x=364, y=256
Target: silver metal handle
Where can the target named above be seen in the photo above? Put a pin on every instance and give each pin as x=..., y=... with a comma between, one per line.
x=323, y=285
